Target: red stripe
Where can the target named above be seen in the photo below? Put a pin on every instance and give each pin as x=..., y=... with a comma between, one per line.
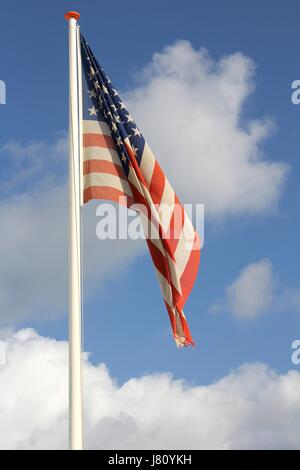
x=105, y=192
x=98, y=140
x=176, y=224
x=189, y=274
x=157, y=184
x=169, y=244
x=139, y=199
x=103, y=166
x=188, y=340
x=162, y=265
x=159, y=261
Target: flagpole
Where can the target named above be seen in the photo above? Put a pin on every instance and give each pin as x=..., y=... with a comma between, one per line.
x=75, y=335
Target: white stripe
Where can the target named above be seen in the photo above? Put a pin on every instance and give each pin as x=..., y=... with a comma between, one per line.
x=107, y=180
x=175, y=273
x=166, y=207
x=95, y=127
x=132, y=177
x=147, y=163
x=168, y=197
x=175, y=278
x=165, y=288
x=183, y=249
x=151, y=232
x=179, y=333
x=158, y=243
x=101, y=153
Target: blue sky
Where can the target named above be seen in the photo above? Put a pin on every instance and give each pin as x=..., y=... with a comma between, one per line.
x=126, y=325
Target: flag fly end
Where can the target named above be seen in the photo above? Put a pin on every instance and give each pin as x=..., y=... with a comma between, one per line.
x=72, y=14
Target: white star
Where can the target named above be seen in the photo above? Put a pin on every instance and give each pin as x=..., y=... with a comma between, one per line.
x=93, y=111
x=105, y=90
x=134, y=150
x=117, y=118
x=92, y=93
x=97, y=84
x=122, y=105
x=123, y=158
x=115, y=92
x=92, y=71
x=112, y=106
x=114, y=127
x=129, y=118
x=136, y=132
x=119, y=142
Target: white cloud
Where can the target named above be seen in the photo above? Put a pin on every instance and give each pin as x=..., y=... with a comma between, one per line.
x=252, y=292
x=190, y=109
x=33, y=242
x=33, y=164
x=252, y=407
x=257, y=289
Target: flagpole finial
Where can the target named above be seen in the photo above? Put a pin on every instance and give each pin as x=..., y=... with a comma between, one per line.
x=72, y=14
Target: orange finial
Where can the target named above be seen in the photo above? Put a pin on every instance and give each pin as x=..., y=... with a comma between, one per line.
x=72, y=14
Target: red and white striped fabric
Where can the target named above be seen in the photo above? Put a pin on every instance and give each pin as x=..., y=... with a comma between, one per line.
x=103, y=174
x=112, y=169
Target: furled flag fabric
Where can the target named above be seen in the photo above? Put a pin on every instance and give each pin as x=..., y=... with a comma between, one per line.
x=118, y=165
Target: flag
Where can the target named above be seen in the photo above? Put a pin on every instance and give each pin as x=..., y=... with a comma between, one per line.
x=118, y=165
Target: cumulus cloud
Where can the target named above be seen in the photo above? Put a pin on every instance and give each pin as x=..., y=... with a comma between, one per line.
x=257, y=289
x=33, y=242
x=252, y=407
x=251, y=293
x=190, y=108
x=32, y=164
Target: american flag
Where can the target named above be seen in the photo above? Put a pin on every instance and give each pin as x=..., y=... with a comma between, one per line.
x=118, y=165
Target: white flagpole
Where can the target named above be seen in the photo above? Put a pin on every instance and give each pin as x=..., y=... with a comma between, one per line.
x=75, y=339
